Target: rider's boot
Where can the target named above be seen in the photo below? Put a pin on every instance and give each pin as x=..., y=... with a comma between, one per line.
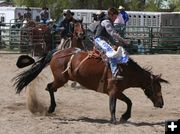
x=116, y=75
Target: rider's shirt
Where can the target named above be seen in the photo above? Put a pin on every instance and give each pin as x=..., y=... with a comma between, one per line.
x=68, y=27
x=106, y=30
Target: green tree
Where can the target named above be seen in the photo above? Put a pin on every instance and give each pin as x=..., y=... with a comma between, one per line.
x=28, y=3
x=174, y=5
x=153, y=5
x=135, y=5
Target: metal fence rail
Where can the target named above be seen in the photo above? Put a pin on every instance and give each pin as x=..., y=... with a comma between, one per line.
x=154, y=39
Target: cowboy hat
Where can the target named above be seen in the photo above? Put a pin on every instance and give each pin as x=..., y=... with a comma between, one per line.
x=24, y=60
x=121, y=7
x=68, y=12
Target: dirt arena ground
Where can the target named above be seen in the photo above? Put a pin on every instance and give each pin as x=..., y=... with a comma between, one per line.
x=81, y=111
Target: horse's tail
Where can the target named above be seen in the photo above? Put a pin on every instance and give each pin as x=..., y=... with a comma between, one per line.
x=24, y=78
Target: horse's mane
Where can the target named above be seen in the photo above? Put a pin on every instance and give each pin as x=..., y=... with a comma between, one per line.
x=135, y=65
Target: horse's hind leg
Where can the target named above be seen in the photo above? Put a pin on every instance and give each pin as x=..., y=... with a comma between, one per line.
x=52, y=87
x=127, y=114
x=51, y=90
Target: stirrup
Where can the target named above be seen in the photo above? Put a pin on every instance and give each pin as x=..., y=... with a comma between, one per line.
x=118, y=77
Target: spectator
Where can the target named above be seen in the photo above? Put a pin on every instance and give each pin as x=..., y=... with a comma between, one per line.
x=124, y=14
x=1, y=24
x=45, y=16
x=121, y=20
x=20, y=17
x=140, y=47
x=93, y=26
x=91, y=29
x=19, y=21
x=27, y=14
x=38, y=18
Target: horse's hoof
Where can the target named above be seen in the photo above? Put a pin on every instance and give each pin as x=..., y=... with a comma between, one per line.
x=122, y=120
x=51, y=110
x=114, y=122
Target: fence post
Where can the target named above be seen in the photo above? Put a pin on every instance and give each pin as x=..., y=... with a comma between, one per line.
x=151, y=38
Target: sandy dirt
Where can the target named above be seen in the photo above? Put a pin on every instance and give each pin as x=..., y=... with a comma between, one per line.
x=81, y=111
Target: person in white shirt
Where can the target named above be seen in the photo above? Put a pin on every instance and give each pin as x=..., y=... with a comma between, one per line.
x=119, y=20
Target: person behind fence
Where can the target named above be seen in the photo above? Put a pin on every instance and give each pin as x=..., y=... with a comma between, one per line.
x=91, y=29
x=124, y=14
x=45, y=16
x=66, y=26
x=106, y=32
x=121, y=21
x=120, y=24
x=1, y=24
x=27, y=14
x=140, y=47
x=19, y=20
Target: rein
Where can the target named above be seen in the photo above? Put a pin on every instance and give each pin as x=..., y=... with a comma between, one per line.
x=66, y=55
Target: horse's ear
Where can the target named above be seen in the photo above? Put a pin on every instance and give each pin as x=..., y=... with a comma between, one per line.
x=158, y=77
x=163, y=80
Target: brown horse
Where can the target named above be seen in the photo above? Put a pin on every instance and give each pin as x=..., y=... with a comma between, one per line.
x=76, y=65
x=38, y=44
x=39, y=37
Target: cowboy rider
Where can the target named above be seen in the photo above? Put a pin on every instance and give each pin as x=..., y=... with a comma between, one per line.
x=106, y=32
x=66, y=26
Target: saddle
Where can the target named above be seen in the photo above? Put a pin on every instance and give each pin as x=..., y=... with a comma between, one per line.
x=95, y=53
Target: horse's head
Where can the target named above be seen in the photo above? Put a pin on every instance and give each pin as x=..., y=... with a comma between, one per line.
x=79, y=31
x=153, y=90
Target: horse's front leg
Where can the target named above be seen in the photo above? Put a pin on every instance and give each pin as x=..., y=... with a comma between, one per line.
x=127, y=114
x=52, y=98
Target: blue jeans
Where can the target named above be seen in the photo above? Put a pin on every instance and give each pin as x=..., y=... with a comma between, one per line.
x=113, y=66
x=107, y=49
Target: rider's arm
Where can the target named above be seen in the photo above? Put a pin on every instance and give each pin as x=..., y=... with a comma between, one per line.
x=111, y=31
